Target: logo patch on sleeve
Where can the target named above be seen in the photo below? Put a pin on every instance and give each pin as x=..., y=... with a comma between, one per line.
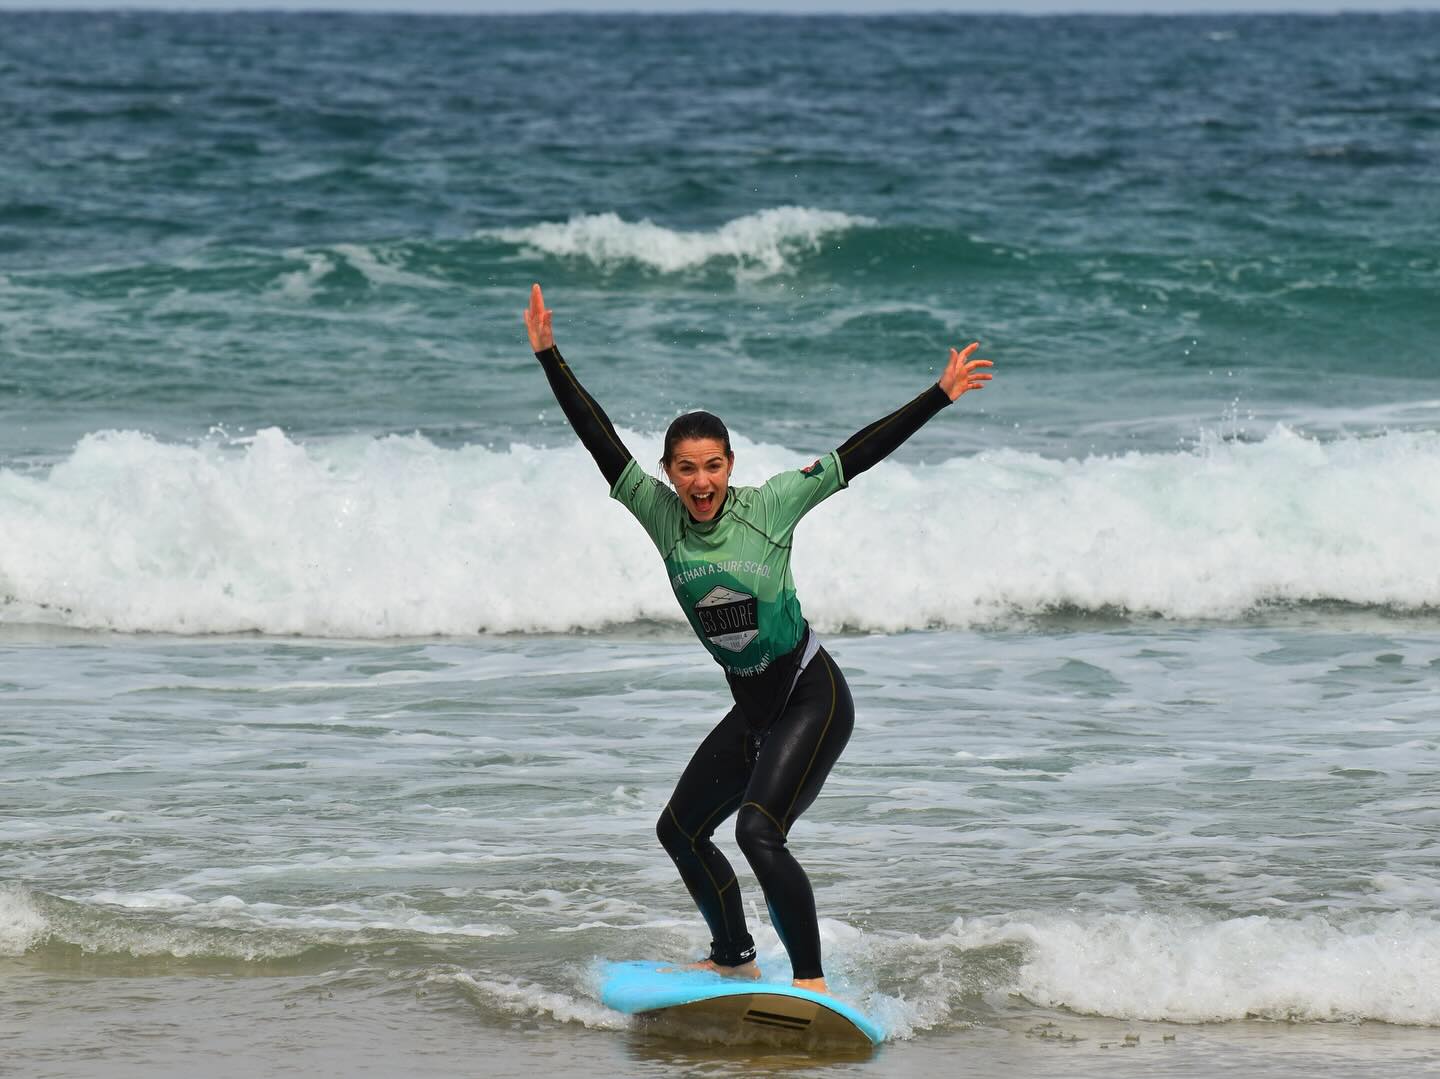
x=730, y=619
x=814, y=469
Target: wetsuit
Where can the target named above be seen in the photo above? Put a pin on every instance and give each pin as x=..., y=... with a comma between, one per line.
x=770, y=755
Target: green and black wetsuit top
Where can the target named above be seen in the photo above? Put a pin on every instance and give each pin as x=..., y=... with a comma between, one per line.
x=731, y=574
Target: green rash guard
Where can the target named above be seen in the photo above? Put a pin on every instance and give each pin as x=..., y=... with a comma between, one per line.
x=732, y=574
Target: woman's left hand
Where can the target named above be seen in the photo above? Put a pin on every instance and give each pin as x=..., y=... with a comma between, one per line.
x=963, y=374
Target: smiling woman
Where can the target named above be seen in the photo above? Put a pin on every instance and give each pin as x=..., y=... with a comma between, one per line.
x=727, y=552
x=698, y=460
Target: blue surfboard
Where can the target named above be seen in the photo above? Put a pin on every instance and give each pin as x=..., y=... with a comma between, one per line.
x=701, y=1004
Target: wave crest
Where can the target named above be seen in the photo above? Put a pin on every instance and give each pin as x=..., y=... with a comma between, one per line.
x=397, y=537
x=761, y=243
x=1189, y=970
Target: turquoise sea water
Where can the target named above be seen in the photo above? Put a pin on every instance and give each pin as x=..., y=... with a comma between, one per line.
x=337, y=702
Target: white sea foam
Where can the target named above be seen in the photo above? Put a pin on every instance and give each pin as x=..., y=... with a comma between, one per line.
x=526, y=999
x=301, y=285
x=160, y=900
x=763, y=241
x=394, y=536
x=22, y=926
x=234, y=913
x=1190, y=969
x=378, y=267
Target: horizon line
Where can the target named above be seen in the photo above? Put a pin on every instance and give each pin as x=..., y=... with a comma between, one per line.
x=341, y=8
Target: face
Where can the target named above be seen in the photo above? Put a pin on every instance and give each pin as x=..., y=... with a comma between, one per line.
x=700, y=470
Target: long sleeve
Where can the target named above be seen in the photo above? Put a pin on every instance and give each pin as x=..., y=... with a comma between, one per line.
x=872, y=444
x=585, y=415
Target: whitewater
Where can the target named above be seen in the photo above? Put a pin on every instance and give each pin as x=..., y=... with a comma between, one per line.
x=395, y=537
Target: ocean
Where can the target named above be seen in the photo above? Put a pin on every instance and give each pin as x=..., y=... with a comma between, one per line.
x=338, y=701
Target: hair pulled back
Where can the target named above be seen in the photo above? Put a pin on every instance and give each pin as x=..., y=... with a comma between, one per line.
x=695, y=425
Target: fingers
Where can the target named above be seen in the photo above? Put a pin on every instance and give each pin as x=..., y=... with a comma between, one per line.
x=962, y=374
x=960, y=359
x=963, y=355
x=537, y=320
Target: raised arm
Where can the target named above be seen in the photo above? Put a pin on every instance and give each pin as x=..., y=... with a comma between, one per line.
x=872, y=444
x=596, y=432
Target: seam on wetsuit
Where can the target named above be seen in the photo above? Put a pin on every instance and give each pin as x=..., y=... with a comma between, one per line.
x=861, y=437
x=694, y=839
x=895, y=428
x=818, y=742
x=880, y=425
x=768, y=814
x=670, y=808
x=595, y=412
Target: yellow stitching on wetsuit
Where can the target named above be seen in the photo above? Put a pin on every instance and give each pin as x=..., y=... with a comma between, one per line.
x=767, y=813
x=594, y=409
x=694, y=839
x=722, y=811
x=670, y=808
x=885, y=422
x=730, y=885
x=834, y=696
x=719, y=891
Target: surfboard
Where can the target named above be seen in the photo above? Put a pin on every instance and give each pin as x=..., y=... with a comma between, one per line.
x=701, y=1004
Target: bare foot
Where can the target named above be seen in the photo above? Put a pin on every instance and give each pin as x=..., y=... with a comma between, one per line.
x=744, y=970
x=815, y=985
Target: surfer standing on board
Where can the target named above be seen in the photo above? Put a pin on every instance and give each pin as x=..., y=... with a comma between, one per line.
x=727, y=552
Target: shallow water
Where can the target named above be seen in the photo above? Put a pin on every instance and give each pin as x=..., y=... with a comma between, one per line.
x=1124, y=830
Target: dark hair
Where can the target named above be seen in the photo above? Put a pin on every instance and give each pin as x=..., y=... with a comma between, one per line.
x=695, y=425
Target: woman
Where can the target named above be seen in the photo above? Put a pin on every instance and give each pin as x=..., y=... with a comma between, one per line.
x=727, y=552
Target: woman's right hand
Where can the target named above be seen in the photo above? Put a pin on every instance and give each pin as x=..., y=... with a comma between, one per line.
x=537, y=321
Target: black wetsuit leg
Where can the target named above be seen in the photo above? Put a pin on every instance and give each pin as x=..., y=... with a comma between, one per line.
x=791, y=766
x=710, y=789
x=770, y=786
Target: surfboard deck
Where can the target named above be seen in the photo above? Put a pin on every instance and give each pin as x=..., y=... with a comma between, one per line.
x=701, y=1004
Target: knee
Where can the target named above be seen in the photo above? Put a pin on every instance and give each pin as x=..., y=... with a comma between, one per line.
x=669, y=834
x=757, y=833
